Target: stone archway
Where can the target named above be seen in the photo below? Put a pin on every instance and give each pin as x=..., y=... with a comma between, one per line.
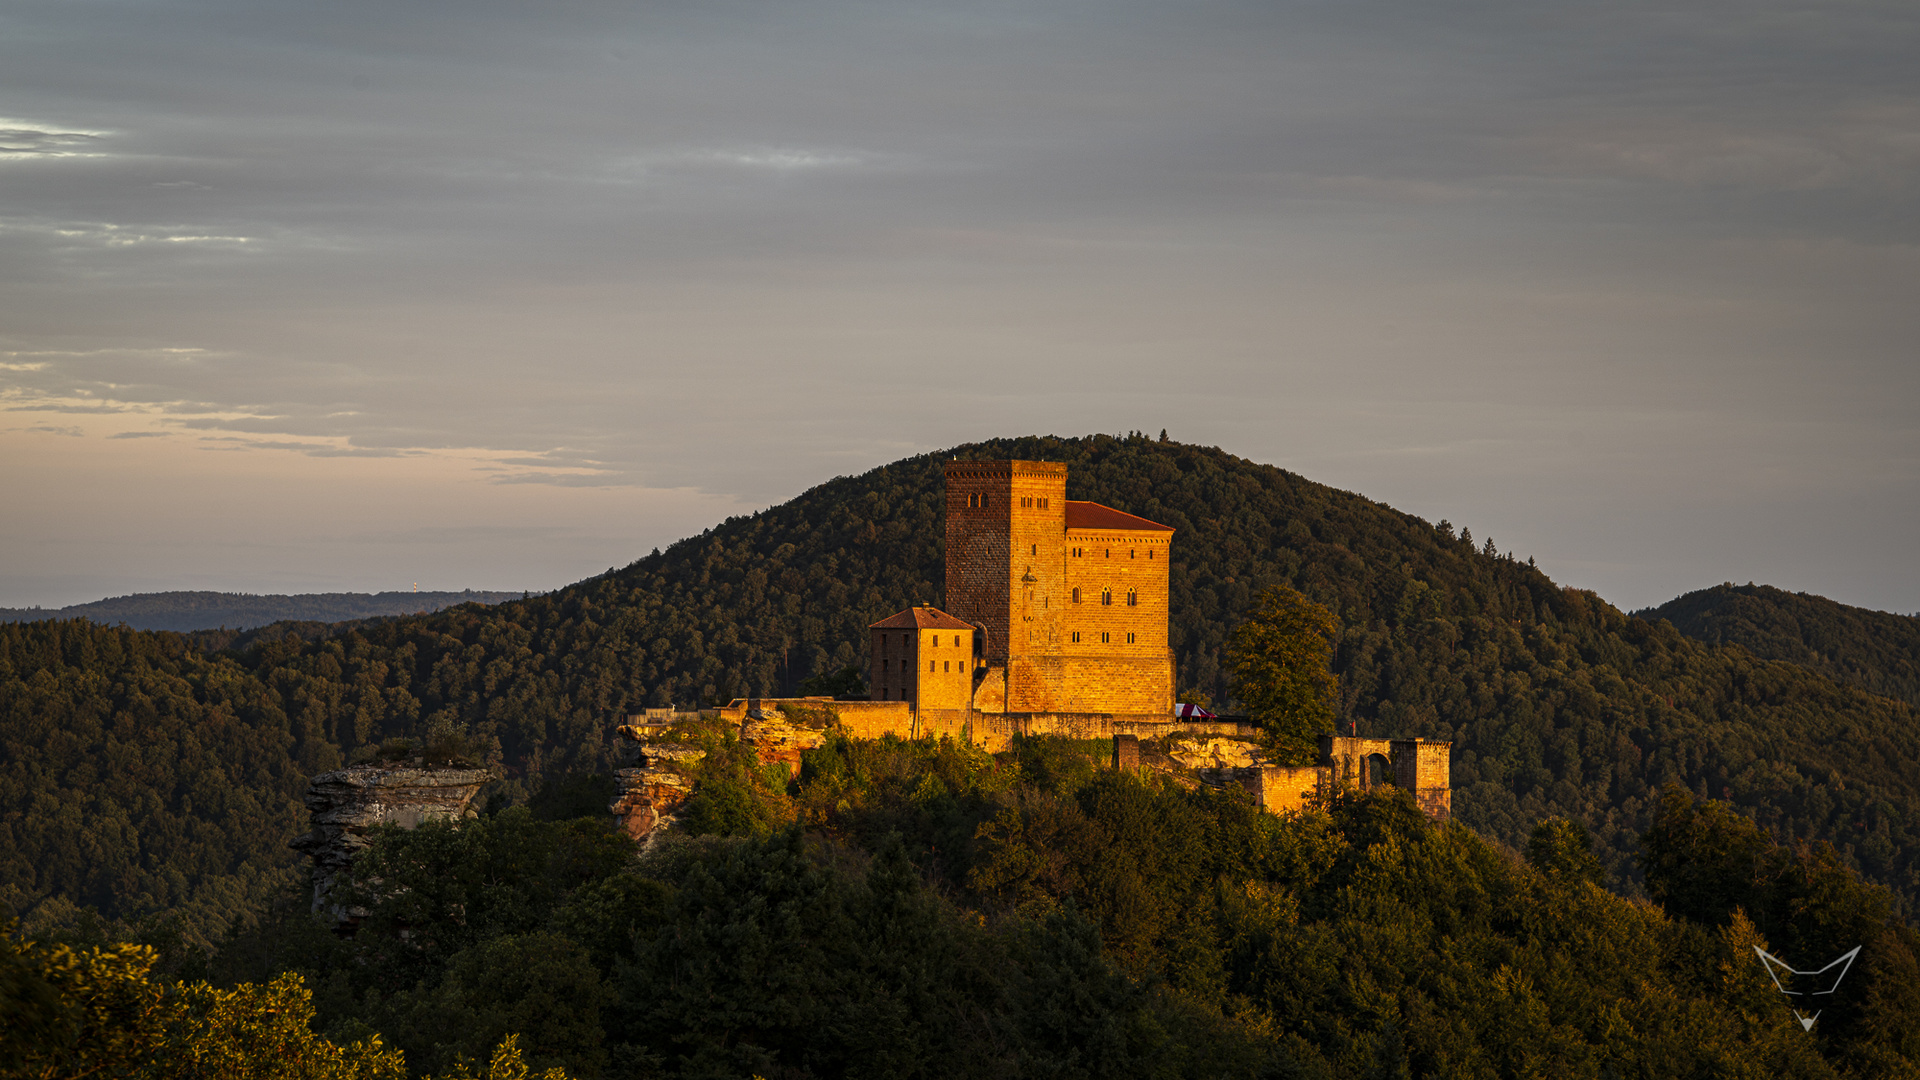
x=1376, y=771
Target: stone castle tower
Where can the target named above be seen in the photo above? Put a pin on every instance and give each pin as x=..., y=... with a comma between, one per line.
x=1070, y=598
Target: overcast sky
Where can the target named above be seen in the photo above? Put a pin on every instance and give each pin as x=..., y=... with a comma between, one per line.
x=300, y=296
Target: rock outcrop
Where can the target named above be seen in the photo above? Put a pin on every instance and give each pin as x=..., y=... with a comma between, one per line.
x=659, y=762
x=350, y=803
x=656, y=776
x=780, y=735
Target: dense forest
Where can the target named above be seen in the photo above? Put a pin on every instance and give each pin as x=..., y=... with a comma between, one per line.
x=921, y=909
x=1877, y=651
x=245, y=611
x=1558, y=703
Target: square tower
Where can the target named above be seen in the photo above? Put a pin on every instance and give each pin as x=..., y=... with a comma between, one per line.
x=1071, y=597
x=1006, y=529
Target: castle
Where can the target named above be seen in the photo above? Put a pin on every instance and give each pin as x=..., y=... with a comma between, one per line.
x=1056, y=622
x=1054, y=608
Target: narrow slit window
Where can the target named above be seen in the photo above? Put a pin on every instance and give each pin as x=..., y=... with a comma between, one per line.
x=1076, y=637
x=1103, y=637
x=1129, y=637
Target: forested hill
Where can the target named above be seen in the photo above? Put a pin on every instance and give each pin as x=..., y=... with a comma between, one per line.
x=244, y=611
x=1557, y=702
x=1876, y=651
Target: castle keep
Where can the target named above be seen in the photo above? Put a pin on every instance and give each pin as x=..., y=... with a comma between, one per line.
x=1070, y=597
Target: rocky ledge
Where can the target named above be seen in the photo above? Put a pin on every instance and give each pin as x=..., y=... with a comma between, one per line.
x=348, y=804
x=655, y=778
x=659, y=766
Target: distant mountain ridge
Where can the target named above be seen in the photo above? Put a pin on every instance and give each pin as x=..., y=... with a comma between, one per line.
x=1877, y=651
x=183, y=611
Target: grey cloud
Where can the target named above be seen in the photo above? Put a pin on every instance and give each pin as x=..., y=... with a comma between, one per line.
x=741, y=247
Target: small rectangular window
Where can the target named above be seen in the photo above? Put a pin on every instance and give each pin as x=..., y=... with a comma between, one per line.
x=1129, y=637
x=930, y=664
x=1103, y=637
x=945, y=665
x=1076, y=637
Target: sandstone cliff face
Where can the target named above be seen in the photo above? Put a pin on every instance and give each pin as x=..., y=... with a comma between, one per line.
x=659, y=766
x=348, y=804
x=655, y=778
x=780, y=735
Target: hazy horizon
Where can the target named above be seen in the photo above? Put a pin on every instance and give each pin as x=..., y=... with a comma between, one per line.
x=494, y=297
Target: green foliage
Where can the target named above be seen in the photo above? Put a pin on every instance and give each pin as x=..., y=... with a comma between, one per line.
x=848, y=682
x=944, y=912
x=442, y=889
x=1278, y=656
x=94, y=1012
x=137, y=775
x=1709, y=864
x=540, y=986
x=735, y=795
x=1563, y=850
x=1876, y=651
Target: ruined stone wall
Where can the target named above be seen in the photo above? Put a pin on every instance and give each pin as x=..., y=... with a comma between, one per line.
x=1285, y=788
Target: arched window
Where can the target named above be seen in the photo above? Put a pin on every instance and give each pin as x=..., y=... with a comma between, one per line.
x=1133, y=598
x=1106, y=597
x=1076, y=595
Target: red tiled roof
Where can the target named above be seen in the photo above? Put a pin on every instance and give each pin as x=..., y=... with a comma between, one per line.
x=1092, y=515
x=920, y=617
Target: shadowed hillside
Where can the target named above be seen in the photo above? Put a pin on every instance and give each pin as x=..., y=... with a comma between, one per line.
x=245, y=611
x=1877, y=651
x=1558, y=703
